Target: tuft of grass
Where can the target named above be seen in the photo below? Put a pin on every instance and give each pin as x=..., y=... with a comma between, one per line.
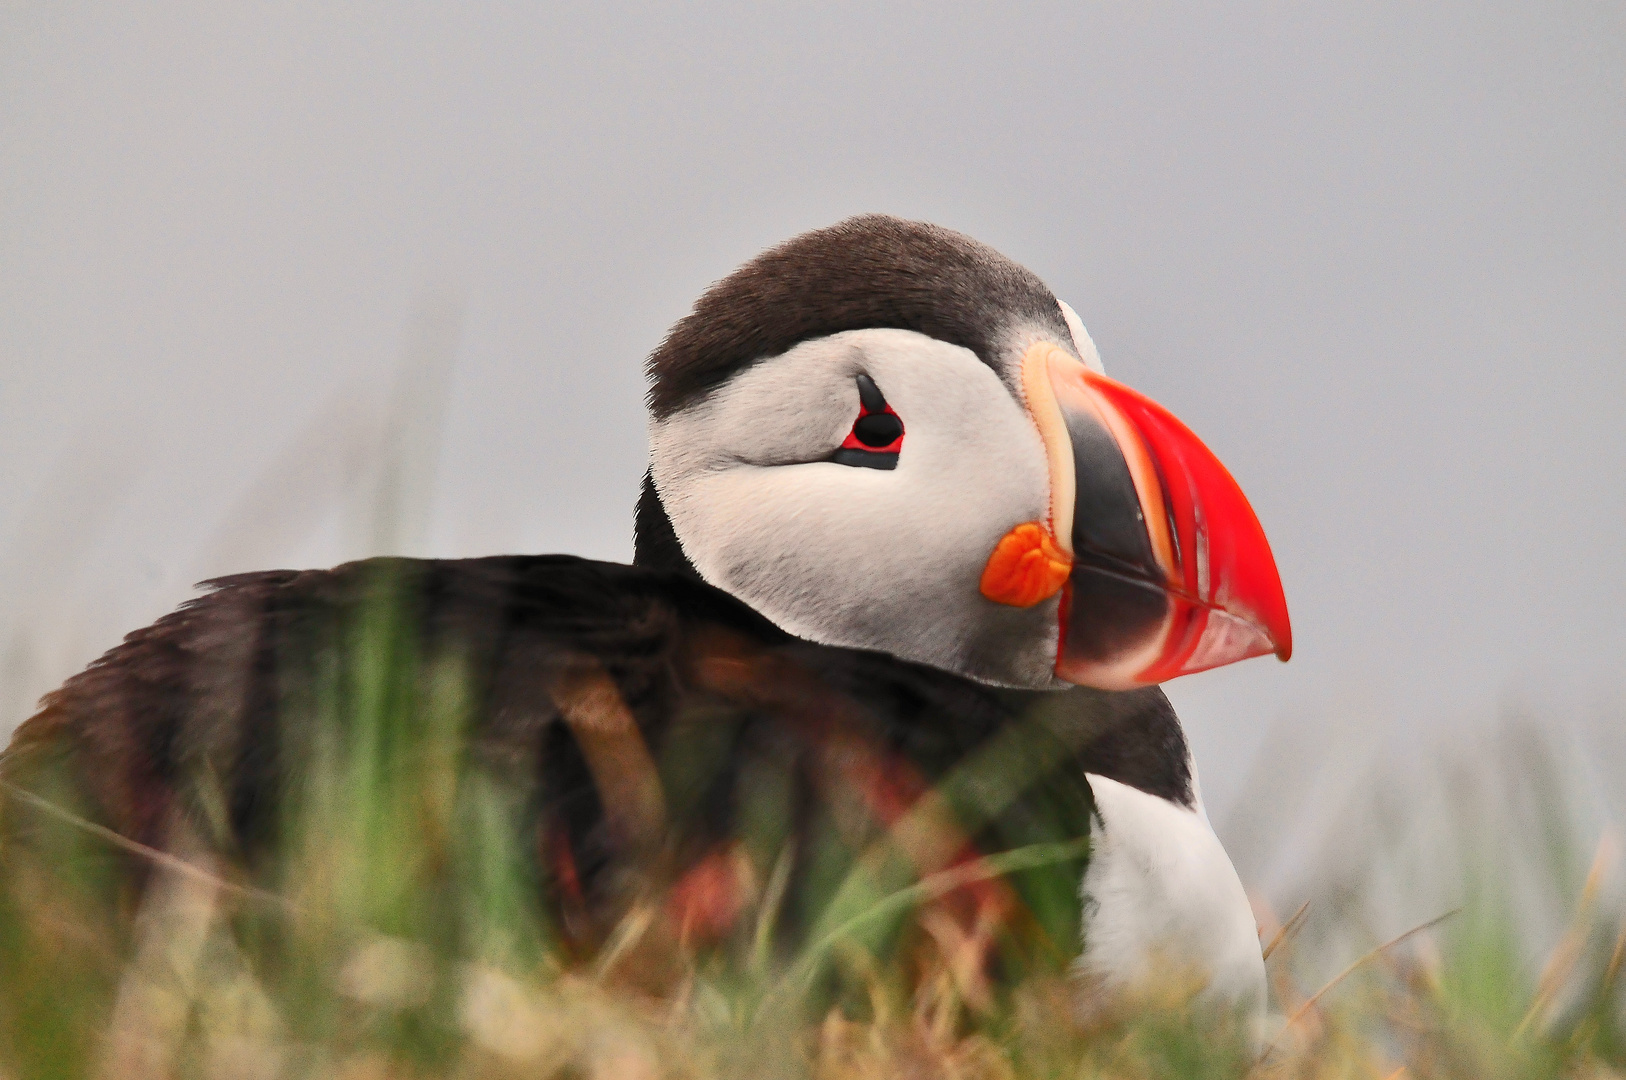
x=393, y=927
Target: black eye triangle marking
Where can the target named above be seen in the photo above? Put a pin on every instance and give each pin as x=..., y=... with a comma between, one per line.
x=877, y=435
x=870, y=396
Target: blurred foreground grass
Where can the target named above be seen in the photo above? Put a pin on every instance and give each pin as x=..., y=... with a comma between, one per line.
x=395, y=929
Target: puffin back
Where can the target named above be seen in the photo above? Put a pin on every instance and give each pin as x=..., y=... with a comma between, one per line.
x=660, y=737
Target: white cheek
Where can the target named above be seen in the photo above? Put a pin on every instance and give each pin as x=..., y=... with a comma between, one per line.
x=865, y=558
x=765, y=418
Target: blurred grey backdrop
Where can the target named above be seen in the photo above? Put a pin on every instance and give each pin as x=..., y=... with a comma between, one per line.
x=257, y=259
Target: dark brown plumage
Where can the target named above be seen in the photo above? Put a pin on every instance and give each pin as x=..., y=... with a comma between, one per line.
x=865, y=272
x=229, y=687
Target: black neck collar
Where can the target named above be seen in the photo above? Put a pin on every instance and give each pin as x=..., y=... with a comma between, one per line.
x=654, y=542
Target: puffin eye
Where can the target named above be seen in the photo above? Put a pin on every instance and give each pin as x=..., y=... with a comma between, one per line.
x=877, y=434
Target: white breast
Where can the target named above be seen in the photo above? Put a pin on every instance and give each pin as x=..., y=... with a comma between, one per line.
x=1163, y=907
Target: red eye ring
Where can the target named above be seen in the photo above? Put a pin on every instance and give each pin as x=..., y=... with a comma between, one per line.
x=876, y=437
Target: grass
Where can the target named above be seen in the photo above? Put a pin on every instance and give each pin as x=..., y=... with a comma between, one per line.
x=394, y=929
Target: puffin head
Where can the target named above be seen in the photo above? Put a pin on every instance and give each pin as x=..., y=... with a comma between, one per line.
x=885, y=435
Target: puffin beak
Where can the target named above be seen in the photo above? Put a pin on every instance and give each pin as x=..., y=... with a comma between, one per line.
x=1168, y=571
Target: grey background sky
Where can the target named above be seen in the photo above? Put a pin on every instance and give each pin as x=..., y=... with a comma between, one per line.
x=1375, y=254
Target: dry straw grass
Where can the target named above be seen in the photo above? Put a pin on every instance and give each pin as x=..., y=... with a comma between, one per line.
x=190, y=986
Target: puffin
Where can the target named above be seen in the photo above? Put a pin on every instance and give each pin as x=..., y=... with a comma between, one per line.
x=909, y=569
